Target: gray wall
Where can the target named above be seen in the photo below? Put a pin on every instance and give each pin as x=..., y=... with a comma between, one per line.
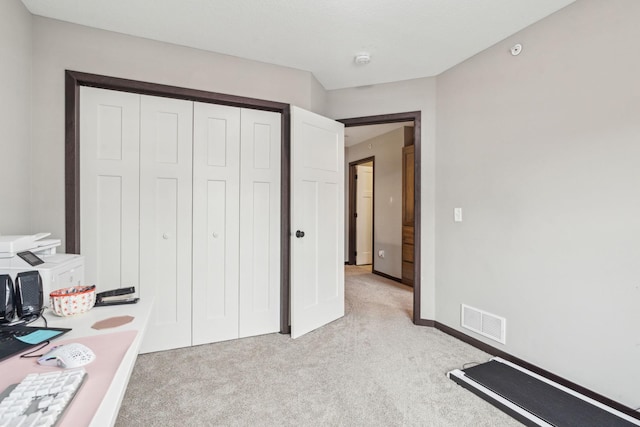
x=15, y=119
x=387, y=149
x=317, y=97
x=58, y=46
x=542, y=152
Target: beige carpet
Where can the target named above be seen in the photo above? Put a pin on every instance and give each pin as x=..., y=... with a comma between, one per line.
x=372, y=367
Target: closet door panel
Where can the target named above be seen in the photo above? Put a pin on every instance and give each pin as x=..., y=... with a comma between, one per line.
x=163, y=232
x=216, y=199
x=109, y=186
x=259, y=223
x=166, y=219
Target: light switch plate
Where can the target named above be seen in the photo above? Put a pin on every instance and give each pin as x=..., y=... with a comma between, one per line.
x=457, y=214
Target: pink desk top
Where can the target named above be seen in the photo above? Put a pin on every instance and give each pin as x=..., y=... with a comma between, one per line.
x=109, y=350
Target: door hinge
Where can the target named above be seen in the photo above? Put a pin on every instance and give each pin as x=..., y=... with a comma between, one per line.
x=355, y=253
x=356, y=176
x=355, y=215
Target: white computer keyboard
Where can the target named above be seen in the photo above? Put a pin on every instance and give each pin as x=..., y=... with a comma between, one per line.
x=39, y=399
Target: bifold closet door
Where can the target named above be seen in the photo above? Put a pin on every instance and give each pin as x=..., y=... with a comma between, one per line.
x=259, y=222
x=216, y=219
x=182, y=200
x=109, y=186
x=166, y=134
x=236, y=222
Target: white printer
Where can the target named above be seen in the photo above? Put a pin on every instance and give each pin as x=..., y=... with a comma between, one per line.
x=21, y=253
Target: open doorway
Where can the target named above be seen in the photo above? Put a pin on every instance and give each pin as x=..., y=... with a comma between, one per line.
x=408, y=225
x=392, y=229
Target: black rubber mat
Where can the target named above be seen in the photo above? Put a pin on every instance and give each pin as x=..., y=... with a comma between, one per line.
x=541, y=399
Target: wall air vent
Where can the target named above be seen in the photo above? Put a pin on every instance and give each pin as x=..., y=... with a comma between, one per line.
x=483, y=323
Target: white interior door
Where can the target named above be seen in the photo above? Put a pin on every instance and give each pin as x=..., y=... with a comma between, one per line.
x=364, y=218
x=317, y=221
x=259, y=222
x=109, y=187
x=166, y=130
x=216, y=217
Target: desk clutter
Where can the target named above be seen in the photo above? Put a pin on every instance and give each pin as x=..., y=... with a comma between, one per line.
x=30, y=269
x=38, y=367
x=23, y=303
x=63, y=382
x=80, y=299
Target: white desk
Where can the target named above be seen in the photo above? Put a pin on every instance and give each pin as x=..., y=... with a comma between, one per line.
x=107, y=411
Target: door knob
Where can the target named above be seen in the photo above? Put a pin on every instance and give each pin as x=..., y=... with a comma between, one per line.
x=299, y=234
x=165, y=236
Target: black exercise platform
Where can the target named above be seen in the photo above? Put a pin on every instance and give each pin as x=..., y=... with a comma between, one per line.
x=535, y=400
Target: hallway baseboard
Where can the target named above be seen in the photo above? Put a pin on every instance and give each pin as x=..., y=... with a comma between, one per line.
x=387, y=276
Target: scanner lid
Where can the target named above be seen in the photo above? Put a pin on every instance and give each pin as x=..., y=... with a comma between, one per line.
x=10, y=245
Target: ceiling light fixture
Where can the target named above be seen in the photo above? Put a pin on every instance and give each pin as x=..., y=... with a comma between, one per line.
x=362, y=58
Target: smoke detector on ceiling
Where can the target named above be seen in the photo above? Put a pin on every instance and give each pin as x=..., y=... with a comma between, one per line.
x=362, y=58
x=516, y=49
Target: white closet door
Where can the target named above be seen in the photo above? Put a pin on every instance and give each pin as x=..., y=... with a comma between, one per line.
x=216, y=243
x=109, y=186
x=259, y=222
x=166, y=129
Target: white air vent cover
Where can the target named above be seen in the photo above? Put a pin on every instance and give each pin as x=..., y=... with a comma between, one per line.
x=487, y=324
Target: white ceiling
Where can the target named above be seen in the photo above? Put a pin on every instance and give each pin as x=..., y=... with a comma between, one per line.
x=405, y=38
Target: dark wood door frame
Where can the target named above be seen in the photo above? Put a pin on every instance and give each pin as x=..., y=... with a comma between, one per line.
x=74, y=80
x=414, y=116
x=352, y=209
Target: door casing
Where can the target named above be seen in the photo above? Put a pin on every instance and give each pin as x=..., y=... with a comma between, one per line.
x=414, y=116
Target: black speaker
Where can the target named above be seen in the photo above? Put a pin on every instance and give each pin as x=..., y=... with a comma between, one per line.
x=7, y=299
x=28, y=294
